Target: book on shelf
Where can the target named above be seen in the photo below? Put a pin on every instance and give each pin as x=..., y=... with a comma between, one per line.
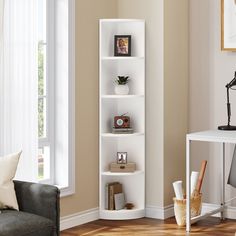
x=107, y=194
x=111, y=189
x=114, y=189
x=119, y=199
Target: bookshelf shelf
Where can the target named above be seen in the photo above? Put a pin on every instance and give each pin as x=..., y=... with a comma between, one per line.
x=122, y=58
x=111, y=96
x=138, y=172
x=111, y=135
x=109, y=21
x=122, y=214
x=111, y=105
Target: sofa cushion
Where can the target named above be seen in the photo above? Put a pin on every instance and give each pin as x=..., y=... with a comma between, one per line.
x=24, y=224
x=8, y=165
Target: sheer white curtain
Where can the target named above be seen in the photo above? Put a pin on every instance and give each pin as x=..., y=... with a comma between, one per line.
x=1, y=24
x=1, y=51
x=18, y=85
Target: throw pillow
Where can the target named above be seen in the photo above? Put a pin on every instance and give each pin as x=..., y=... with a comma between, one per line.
x=8, y=166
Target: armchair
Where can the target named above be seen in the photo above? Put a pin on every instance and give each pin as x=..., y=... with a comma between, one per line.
x=38, y=213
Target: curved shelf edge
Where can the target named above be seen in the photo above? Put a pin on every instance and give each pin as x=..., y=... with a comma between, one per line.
x=108, y=173
x=122, y=214
x=115, y=20
x=121, y=58
x=120, y=135
x=122, y=96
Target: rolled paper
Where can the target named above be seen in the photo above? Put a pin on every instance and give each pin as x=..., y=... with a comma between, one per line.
x=178, y=190
x=194, y=179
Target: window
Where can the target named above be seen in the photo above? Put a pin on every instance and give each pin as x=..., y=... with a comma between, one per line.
x=45, y=91
x=37, y=102
x=56, y=93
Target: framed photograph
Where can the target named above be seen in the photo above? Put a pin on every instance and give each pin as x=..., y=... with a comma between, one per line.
x=122, y=45
x=228, y=25
x=121, y=157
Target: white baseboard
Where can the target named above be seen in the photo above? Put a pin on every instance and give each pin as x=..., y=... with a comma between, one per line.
x=168, y=211
x=83, y=217
x=230, y=212
x=151, y=212
x=159, y=212
x=206, y=207
x=80, y=218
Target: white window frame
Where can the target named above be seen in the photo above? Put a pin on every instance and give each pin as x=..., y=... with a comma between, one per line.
x=51, y=52
x=70, y=189
x=50, y=80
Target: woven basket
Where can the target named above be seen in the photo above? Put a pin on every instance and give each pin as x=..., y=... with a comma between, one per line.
x=180, y=209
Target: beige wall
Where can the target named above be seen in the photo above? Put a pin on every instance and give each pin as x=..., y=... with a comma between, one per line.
x=88, y=12
x=166, y=84
x=175, y=93
x=210, y=70
x=152, y=12
x=166, y=92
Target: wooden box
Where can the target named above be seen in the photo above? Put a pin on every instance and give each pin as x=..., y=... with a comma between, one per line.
x=129, y=167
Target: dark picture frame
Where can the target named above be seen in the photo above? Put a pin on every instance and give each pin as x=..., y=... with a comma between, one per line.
x=122, y=45
x=121, y=157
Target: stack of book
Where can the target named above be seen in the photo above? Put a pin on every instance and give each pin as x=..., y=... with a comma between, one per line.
x=122, y=130
x=114, y=196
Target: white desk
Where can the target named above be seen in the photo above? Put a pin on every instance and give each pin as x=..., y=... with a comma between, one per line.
x=218, y=136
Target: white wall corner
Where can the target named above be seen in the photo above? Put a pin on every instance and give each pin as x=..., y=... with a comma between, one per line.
x=79, y=218
x=160, y=212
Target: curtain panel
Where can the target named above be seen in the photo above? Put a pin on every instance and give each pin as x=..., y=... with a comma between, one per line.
x=1, y=24
x=18, y=84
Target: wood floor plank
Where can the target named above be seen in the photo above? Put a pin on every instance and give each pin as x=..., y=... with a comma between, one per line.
x=150, y=227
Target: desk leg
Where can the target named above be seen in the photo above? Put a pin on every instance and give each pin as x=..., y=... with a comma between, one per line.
x=223, y=183
x=188, y=188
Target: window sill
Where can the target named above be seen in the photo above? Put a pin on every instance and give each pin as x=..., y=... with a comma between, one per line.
x=65, y=190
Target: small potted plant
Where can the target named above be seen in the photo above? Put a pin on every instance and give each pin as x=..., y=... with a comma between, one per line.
x=122, y=87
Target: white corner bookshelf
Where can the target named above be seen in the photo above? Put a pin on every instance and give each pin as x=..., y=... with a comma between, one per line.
x=111, y=104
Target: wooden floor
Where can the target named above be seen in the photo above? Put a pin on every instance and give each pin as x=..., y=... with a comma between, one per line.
x=146, y=226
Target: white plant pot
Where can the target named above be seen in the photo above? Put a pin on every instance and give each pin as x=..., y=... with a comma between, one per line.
x=122, y=89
